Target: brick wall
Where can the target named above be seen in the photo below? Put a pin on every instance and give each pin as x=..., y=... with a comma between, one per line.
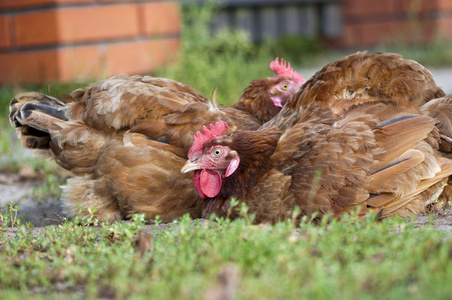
x=370, y=22
x=66, y=40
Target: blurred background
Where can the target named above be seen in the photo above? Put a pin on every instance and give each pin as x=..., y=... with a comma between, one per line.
x=56, y=46
x=45, y=41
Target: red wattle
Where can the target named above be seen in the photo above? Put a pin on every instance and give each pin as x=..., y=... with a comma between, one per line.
x=197, y=183
x=210, y=183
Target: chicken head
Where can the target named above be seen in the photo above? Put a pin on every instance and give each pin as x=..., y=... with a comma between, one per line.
x=210, y=162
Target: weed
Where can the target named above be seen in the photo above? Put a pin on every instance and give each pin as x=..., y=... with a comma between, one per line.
x=8, y=216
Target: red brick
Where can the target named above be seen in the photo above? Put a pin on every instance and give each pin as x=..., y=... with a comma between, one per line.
x=352, y=36
x=444, y=4
x=36, y=28
x=370, y=22
x=76, y=25
x=160, y=17
x=415, y=7
x=357, y=35
x=5, y=32
x=79, y=63
x=58, y=25
x=97, y=23
x=361, y=8
x=113, y=1
x=140, y=57
x=73, y=1
x=63, y=65
x=164, y=52
x=419, y=31
x=28, y=67
x=378, y=33
x=444, y=28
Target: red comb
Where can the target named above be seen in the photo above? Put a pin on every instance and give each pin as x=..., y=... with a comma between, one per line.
x=213, y=132
x=284, y=69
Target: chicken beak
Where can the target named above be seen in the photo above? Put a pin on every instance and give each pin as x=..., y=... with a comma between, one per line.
x=190, y=166
x=275, y=92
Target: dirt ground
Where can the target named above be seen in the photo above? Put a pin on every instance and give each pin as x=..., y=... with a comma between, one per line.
x=48, y=213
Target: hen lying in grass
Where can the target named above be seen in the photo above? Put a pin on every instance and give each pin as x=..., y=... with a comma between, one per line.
x=360, y=133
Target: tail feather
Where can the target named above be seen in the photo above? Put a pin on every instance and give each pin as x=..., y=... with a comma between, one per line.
x=40, y=116
x=34, y=115
x=21, y=99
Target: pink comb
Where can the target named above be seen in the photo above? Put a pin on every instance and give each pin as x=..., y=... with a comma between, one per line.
x=213, y=132
x=284, y=69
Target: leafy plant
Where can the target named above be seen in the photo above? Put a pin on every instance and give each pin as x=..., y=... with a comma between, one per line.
x=8, y=216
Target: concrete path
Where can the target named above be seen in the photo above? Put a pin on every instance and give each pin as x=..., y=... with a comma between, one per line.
x=443, y=78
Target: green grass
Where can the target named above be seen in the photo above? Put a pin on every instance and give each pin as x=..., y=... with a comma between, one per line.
x=340, y=260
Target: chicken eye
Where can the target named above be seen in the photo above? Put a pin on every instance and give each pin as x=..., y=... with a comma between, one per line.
x=216, y=152
x=285, y=86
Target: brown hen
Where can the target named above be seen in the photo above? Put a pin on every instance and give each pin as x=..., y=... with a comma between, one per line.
x=353, y=136
x=362, y=78
x=126, y=138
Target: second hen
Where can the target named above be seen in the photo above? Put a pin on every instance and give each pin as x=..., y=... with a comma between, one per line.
x=362, y=78
x=126, y=138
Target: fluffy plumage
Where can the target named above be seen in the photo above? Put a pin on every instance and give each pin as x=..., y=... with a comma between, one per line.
x=126, y=138
x=363, y=78
x=355, y=135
